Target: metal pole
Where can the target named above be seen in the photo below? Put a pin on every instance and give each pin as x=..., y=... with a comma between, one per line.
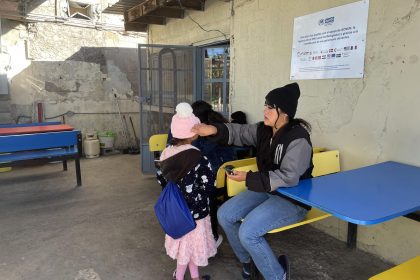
x=122, y=122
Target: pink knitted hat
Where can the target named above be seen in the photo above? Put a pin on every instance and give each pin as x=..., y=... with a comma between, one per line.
x=183, y=121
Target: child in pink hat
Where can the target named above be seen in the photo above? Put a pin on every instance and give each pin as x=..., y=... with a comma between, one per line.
x=184, y=164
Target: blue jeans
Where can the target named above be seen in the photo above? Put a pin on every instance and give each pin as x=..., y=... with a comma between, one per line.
x=260, y=212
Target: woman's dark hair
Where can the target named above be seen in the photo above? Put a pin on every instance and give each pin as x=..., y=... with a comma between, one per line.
x=238, y=117
x=216, y=117
x=296, y=121
x=201, y=110
x=302, y=123
x=206, y=114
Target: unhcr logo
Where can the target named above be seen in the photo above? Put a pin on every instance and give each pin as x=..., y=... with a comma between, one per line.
x=326, y=21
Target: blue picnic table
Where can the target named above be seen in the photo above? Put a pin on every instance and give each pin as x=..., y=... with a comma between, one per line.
x=363, y=196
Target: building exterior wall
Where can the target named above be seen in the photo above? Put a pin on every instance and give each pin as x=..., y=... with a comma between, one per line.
x=72, y=69
x=215, y=19
x=369, y=120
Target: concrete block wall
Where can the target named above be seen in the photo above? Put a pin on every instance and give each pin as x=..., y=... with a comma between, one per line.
x=369, y=120
x=5, y=113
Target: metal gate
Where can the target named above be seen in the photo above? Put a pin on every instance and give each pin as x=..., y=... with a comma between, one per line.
x=167, y=76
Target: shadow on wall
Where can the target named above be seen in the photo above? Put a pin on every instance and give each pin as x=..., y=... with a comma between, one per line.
x=80, y=91
x=125, y=59
x=90, y=73
x=4, y=89
x=90, y=76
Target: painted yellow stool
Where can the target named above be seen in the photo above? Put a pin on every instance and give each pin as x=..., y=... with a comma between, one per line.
x=409, y=270
x=5, y=169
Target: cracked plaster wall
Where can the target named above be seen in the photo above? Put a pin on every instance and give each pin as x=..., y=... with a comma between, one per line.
x=73, y=69
x=369, y=120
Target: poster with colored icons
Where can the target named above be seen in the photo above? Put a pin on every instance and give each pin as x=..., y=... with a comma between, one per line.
x=330, y=44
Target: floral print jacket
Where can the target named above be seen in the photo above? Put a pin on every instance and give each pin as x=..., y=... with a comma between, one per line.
x=193, y=174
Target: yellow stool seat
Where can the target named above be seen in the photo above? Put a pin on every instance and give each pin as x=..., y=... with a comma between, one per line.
x=234, y=187
x=318, y=149
x=5, y=169
x=409, y=270
x=157, y=142
x=313, y=215
x=327, y=162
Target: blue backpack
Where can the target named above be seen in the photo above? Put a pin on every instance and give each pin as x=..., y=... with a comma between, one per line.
x=173, y=213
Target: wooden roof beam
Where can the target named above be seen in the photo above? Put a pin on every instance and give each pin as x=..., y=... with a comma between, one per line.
x=133, y=13
x=168, y=12
x=151, y=20
x=153, y=8
x=135, y=26
x=197, y=5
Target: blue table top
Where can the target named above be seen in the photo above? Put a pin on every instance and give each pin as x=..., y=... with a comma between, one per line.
x=365, y=196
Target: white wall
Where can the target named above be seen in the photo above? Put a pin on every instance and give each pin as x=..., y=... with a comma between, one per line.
x=369, y=120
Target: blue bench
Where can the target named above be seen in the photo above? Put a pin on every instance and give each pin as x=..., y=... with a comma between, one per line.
x=41, y=148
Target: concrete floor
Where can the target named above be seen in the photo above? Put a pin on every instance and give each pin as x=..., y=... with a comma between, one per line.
x=107, y=230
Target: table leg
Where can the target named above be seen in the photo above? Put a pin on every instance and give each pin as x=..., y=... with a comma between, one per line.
x=65, y=165
x=414, y=216
x=78, y=175
x=351, y=235
x=77, y=160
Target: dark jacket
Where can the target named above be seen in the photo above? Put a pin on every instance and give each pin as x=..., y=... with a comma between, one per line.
x=283, y=159
x=217, y=154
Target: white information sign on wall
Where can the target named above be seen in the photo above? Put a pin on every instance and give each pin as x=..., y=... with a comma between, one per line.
x=330, y=43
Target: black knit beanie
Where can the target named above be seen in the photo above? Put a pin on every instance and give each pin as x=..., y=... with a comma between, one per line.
x=285, y=98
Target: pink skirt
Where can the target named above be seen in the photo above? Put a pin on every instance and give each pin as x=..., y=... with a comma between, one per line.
x=196, y=246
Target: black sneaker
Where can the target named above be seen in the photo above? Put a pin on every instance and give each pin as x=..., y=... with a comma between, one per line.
x=246, y=270
x=284, y=261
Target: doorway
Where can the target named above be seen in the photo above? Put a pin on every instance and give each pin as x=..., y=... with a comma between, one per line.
x=171, y=74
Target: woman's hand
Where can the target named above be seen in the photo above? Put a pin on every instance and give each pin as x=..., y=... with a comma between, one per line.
x=204, y=129
x=238, y=176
